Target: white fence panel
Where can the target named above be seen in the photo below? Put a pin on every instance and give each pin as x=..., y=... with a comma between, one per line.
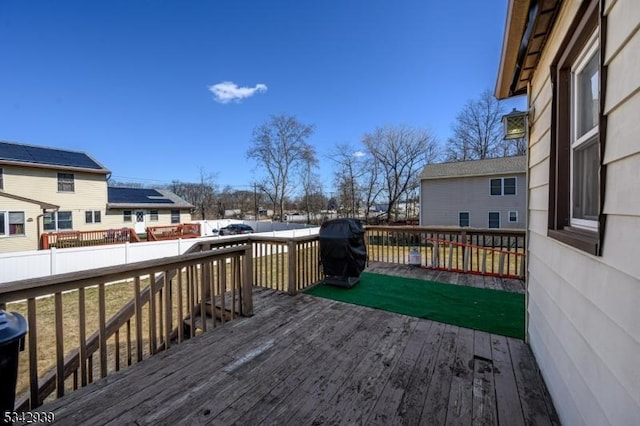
x=24, y=264
x=40, y=263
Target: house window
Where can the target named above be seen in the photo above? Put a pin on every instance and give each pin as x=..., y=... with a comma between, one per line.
x=175, y=216
x=66, y=182
x=92, y=216
x=126, y=216
x=503, y=186
x=57, y=221
x=509, y=186
x=11, y=223
x=494, y=219
x=153, y=215
x=513, y=216
x=1, y=179
x=496, y=186
x=575, y=186
x=463, y=219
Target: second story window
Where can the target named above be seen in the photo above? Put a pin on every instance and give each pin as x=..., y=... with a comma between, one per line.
x=503, y=186
x=1, y=179
x=66, y=182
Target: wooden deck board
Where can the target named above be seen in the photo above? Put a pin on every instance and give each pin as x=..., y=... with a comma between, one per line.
x=307, y=360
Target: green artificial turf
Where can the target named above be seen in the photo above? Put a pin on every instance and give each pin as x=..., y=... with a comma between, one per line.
x=494, y=311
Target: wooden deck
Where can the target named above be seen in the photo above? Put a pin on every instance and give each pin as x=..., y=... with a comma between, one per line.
x=305, y=360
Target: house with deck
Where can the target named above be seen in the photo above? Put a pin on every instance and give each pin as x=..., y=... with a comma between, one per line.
x=46, y=190
x=488, y=193
x=577, y=64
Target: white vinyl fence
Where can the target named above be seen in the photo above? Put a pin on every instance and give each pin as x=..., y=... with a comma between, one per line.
x=39, y=263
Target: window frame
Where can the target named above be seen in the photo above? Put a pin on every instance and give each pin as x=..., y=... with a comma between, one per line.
x=66, y=182
x=516, y=216
x=92, y=216
x=173, y=216
x=153, y=215
x=575, y=45
x=126, y=216
x=460, y=219
x=55, y=220
x=5, y=224
x=1, y=178
x=489, y=220
x=502, y=191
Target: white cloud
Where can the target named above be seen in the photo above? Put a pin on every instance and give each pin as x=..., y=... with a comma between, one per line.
x=228, y=91
x=358, y=154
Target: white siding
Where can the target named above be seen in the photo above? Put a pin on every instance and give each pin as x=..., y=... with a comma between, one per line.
x=583, y=310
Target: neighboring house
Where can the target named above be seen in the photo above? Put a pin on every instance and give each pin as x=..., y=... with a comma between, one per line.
x=578, y=63
x=51, y=190
x=487, y=193
x=139, y=208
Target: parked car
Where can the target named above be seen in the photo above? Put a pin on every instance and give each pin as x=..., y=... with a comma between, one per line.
x=236, y=228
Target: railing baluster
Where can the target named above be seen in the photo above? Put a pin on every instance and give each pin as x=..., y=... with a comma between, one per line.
x=82, y=320
x=152, y=314
x=117, y=349
x=180, y=316
x=59, y=346
x=129, y=350
x=102, y=330
x=138, y=314
x=203, y=295
x=166, y=284
x=33, y=353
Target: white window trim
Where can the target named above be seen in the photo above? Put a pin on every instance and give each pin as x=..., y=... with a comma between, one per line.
x=513, y=221
x=583, y=59
x=73, y=182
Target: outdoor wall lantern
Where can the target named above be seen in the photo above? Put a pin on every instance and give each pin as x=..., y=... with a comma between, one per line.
x=515, y=124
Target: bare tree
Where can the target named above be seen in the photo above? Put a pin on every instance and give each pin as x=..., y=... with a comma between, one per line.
x=200, y=194
x=280, y=148
x=401, y=152
x=346, y=178
x=477, y=132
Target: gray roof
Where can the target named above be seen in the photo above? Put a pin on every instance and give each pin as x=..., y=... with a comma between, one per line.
x=15, y=153
x=488, y=167
x=145, y=198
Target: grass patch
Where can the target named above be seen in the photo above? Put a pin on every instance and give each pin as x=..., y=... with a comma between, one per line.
x=493, y=311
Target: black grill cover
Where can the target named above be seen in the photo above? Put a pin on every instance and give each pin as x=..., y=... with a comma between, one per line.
x=343, y=253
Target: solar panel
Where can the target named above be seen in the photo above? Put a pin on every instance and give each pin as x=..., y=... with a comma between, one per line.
x=50, y=156
x=136, y=196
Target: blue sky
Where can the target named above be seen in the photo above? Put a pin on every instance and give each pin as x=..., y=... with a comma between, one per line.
x=130, y=82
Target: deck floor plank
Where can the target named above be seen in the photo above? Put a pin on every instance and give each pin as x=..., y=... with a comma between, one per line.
x=307, y=360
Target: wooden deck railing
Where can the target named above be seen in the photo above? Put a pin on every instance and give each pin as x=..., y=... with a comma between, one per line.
x=68, y=239
x=80, y=325
x=496, y=252
x=279, y=263
x=172, y=232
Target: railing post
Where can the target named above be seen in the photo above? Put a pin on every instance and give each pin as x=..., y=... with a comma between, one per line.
x=246, y=304
x=291, y=247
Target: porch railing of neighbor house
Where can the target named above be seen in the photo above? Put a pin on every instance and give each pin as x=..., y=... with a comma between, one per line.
x=172, y=232
x=86, y=334
x=68, y=239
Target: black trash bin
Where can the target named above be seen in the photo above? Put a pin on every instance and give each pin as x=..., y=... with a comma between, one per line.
x=13, y=327
x=343, y=253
